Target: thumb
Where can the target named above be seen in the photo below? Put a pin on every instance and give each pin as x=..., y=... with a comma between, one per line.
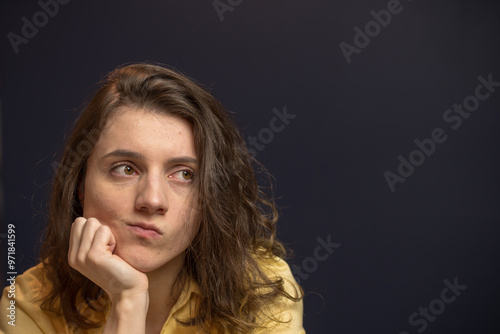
x=111, y=241
x=105, y=237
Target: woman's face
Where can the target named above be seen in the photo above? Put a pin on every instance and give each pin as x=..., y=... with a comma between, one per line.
x=139, y=182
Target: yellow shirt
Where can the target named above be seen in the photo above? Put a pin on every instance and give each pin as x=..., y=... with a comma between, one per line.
x=30, y=319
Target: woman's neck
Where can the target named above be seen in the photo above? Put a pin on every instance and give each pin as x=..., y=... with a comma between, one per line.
x=163, y=293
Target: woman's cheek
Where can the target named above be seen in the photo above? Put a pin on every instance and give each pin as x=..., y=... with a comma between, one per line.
x=103, y=203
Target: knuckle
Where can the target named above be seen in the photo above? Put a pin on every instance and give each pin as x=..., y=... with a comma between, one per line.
x=71, y=262
x=93, y=221
x=80, y=220
x=74, y=263
x=103, y=229
x=80, y=259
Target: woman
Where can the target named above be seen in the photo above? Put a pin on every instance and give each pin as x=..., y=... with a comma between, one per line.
x=157, y=224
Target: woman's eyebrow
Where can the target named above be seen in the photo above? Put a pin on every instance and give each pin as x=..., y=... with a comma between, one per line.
x=123, y=153
x=183, y=159
x=133, y=154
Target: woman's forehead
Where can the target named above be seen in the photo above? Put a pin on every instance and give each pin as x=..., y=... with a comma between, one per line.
x=147, y=131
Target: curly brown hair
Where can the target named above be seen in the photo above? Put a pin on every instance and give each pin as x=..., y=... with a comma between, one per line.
x=237, y=219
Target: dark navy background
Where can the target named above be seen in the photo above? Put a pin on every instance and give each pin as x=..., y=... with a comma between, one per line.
x=367, y=257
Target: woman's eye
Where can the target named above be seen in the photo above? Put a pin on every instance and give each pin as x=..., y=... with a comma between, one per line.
x=124, y=170
x=184, y=175
x=187, y=175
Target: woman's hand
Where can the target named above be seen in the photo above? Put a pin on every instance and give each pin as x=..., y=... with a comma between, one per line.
x=91, y=253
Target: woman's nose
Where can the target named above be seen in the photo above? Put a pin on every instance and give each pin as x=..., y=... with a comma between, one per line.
x=152, y=194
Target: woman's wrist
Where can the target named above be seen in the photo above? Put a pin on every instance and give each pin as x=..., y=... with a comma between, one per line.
x=128, y=313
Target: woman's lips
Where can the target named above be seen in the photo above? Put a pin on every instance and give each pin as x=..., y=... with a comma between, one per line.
x=144, y=230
